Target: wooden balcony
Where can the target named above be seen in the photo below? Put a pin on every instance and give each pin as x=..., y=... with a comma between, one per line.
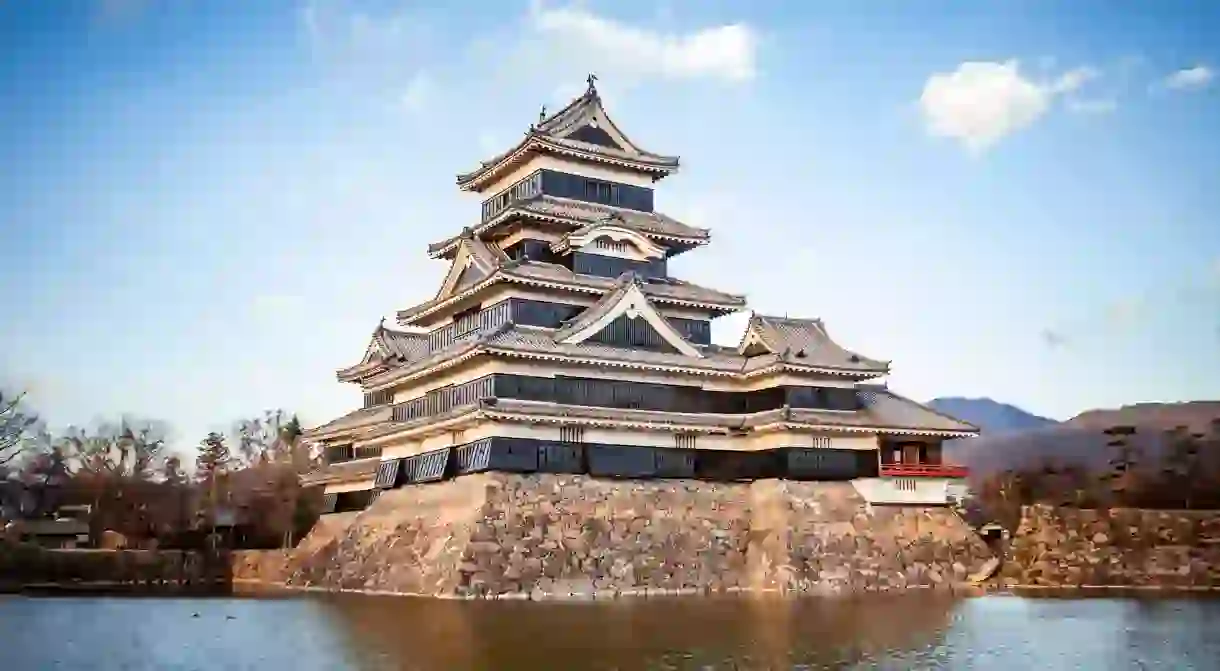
x=924, y=471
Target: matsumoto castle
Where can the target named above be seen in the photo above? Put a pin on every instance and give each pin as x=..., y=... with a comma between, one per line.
x=558, y=342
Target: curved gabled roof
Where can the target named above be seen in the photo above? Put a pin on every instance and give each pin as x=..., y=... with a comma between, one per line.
x=583, y=130
x=805, y=341
x=387, y=348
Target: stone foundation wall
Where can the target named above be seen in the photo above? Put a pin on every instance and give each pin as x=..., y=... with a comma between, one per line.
x=559, y=535
x=1067, y=547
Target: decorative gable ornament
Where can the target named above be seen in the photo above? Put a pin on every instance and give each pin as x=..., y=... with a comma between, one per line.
x=626, y=301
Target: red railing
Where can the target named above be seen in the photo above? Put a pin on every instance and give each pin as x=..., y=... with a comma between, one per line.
x=924, y=470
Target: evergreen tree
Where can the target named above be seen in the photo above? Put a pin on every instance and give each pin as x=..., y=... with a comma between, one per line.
x=213, y=459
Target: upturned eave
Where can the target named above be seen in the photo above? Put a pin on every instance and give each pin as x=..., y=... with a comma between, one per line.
x=534, y=144
x=410, y=316
x=446, y=249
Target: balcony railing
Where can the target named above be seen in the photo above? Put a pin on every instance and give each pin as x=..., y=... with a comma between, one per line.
x=924, y=470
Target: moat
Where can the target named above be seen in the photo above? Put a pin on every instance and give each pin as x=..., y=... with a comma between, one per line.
x=912, y=631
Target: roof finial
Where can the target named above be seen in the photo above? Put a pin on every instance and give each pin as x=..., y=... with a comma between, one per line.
x=592, y=87
x=541, y=115
x=381, y=324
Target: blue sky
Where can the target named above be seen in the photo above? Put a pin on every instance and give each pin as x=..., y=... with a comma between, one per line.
x=205, y=211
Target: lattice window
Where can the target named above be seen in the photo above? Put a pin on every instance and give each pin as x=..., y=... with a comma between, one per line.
x=685, y=441
x=611, y=245
x=904, y=484
x=572, y=434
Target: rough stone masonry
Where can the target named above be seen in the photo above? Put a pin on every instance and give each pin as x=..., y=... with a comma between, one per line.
x=1119, y=547
x=498, y=535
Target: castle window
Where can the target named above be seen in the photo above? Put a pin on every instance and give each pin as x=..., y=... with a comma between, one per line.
x=611, y=245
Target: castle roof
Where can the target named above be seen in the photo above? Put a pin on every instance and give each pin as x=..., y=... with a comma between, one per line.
x=541, y=344
x=357, y=469
x=627, y=299
x=576, y=215
x=803, y=340
x=581, y=130
x=554, y=276
x=387, y=348
x=882, y=411
x=358, y=419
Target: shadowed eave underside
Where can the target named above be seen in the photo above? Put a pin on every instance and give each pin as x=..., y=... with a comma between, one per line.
x=575, y=215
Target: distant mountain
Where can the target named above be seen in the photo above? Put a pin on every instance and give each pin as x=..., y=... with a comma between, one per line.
x=990, y=416
x=1196, y=415
x=1079, y=440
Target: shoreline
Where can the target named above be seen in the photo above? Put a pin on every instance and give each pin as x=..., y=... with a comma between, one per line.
x=253, y=588
x=249, y=588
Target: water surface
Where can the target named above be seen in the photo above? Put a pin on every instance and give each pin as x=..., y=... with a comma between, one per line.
x=902, y=632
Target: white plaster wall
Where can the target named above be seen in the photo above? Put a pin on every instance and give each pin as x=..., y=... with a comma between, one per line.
x=903, y=491
x=854, y=442
x=477, y=430
x=627, y=250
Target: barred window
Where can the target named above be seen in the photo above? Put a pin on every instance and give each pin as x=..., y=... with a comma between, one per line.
x=822, y=442
x=572, y=434
x=685, y=441
x=611, y=245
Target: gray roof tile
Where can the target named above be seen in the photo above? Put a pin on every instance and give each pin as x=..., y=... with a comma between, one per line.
x=352, y=420
x=672, y=290
x=580, y=216
x=359, y=469
x=590, y=214
x=667, y=289
x=806, y=341
x=556, y=131
x=896, y=411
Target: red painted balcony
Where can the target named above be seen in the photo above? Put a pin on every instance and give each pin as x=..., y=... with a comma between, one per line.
x=924, y=470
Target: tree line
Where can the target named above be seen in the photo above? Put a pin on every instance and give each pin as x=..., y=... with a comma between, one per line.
x=139, y=488
x=1177, y=470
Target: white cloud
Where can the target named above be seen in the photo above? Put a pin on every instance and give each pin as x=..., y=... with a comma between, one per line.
x=1191, y=79
x=726, y=52
x=1073, y=79
x=982, y=102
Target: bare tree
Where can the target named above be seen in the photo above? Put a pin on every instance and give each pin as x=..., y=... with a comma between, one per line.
x=272, y=438
x=131, y=449
x=269, y=487
x=15, y=426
